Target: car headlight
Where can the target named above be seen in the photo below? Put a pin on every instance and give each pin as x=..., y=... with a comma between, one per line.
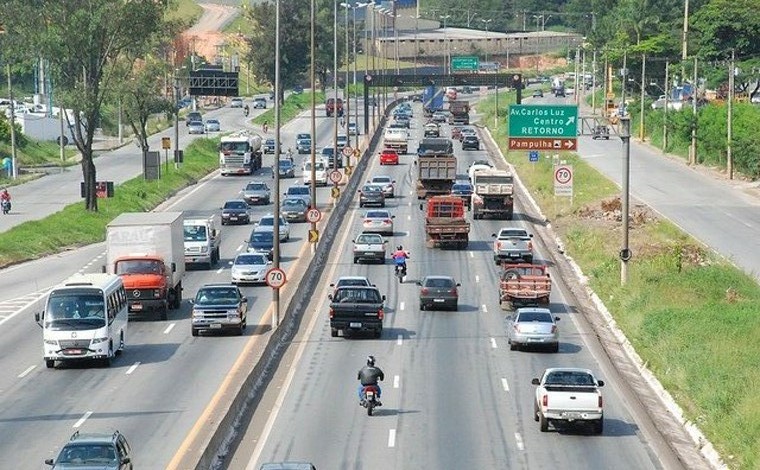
x=197, y=314
x=233, y=315
x=51, y=342
x=98, y=340
x=204, y=249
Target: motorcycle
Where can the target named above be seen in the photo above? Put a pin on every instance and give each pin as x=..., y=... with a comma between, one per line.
x=246, y=111
x=400, y=272
x=6, y=205
x=369, y=400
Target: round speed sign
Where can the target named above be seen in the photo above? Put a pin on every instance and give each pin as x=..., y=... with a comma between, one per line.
x=276, y=278
x=563, y=175
x=313, y=215
x=335, y=176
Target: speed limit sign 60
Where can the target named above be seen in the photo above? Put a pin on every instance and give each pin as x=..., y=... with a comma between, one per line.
x=276, y=278
x=313, y=215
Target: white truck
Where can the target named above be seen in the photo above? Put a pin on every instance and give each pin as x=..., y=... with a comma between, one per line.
x=146, y=249
x=240, y=153
x=492, y=194
x=397, y=139
x=566, y=396
x=202, y=241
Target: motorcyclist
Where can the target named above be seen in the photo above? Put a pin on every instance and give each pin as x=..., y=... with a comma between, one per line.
x=399, y=257
x=5, y=200
x=369, y=375
x=246, y=110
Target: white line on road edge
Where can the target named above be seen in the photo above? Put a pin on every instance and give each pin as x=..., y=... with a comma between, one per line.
x=477, y=278
x=400, y=340
x=26, y=372
x=493, y=343
x=408, y=217
x=240, y=247
x=132, y=368
x=219, y=271
x=396, y=380
x=484, y=308
x=169, y=328
x=392, y=438
x=519, y=441
x=472, y=254
x=401, y=305
x=82, y=419
x=21, y=309
x=504, y=384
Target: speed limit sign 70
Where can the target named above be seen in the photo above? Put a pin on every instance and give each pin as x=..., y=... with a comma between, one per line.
x=276, y=278
x=313, y=215
x=563, y=180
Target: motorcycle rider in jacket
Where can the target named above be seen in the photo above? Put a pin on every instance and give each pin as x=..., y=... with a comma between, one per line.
x=369, y=375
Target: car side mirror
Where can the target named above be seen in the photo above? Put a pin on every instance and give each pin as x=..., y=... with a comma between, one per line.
x=493, y=235
x=353, y=241
x=192, y=301
x=459, y=285
x=126, y=460
x=103, y=269
x=48, y=461
x=418, y=283
x=600, y=383
x=37, y=317
x=420, y=206
x=556, y=318
x=383, y=298
x=174, y=267
x=332, y=285
x=535, y=381
x=530, y=235
x=393, y=217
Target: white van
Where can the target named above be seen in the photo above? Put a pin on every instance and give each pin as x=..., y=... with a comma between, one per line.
x=84, y=318
x=320, y=172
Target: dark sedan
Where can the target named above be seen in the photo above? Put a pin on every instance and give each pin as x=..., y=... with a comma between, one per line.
x=371, y=195
x=438, y=292
x=236, y=211
x=470, y=142
x=294, y=209
x=286, y=168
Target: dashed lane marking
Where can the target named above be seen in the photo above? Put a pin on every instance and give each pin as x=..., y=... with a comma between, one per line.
x=26, y=372
x=392, y=438
x=400, y=340
x=396, y=380
x=519, y=441
x=169, y=328
x=505, y=384
x=401, y=305
x=132, y=368
x=493, y=343
x=477, y=278
x=82, y=419
x=484, y=308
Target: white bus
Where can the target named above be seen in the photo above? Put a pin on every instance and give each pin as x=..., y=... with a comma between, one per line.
x=84, y=318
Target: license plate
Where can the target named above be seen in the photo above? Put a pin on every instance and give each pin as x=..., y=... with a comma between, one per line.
x=439, y=300
x=571, y=415
x=137, y=307
x=233, y=218
x=216, y=325
x=74, y=352
x=355, y=325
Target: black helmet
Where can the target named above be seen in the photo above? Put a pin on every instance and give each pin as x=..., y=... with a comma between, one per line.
x=371, y=361
x=400, y=248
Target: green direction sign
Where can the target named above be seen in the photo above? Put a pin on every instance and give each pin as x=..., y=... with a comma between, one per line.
x=543, y=121
x=468, y=63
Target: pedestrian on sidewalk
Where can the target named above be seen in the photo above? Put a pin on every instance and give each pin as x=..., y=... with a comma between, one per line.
x=265, y=127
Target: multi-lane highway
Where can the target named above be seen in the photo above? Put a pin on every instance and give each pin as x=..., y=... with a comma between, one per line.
x=156, y=390
x=454, y=395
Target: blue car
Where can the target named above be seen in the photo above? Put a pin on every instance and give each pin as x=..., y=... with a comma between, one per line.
x=261, y=241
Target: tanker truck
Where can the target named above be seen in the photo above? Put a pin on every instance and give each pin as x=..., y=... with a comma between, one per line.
x=240, y=153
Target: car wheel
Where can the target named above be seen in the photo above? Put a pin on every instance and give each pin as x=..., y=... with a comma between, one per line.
x=513, y=346
x=599, y=426
x=543, y=422
x=334, y=332
x=49, y=363
x=535, y=411
x=356, y=260
x=194, y=331
x=555, y=348
x=422, y=306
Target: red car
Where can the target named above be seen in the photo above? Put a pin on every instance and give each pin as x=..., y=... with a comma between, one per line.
x=388, y=157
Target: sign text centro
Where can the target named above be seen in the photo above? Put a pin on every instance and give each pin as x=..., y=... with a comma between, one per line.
x=543, y=121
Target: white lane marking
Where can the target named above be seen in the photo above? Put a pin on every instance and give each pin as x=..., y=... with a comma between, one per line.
x=484, y=308
x=477, y=278
x=519, y=441
x=169, y=328
x=240, y=247
x=493, y=343
x=82, y=419
x=401, y=305
x=472, y=254
x=396, y=380
x=400, y=340
x=26, y=372
x=219, y=271
x=229, y=263
x=392, y=438
x=504, y=384
x=24, y=307
x=132, y=368
x=408, y=217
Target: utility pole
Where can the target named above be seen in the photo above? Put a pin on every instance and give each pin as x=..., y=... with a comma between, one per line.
x=623, y=107
x=665, y=111
x=347, y=98
x=313, y=145
x=277, y=150
x=693, y=147
x=729, y=155
x=577, y=74
x=625, y=251
x=335, y=89
x=593, y=83
x=14, y=167
x=643, y=77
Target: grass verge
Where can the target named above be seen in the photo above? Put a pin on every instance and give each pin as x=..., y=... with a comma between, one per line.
x=74, y=226
x=691, y=316
x=294, y=105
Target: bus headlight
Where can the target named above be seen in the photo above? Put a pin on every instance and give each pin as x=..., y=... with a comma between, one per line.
x=98, y=340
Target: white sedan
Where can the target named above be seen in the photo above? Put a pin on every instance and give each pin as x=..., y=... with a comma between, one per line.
x=378, y=221
x=250, y=268
x=388, y=184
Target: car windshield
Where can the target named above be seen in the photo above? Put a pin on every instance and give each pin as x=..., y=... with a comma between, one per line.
x=513, y=233
x=234, y=147
x=269, y=221
x=569, y=378
x=87, y=454
x=269, y=142
x=212, y=121
x=217, y=296
x=461, y=187
x=381, y=179
x=369, y=239
x=371, y=189
x=195, y=233
x=300, y=190
x=293, y=204
x=351, y=282
x=534, y=316
x=250, y=259
x=327, y=151
x=256, y=187
x=377, y=215
x=438, y=282
x=75, y=309
x=138, y=266
x=285, y=164
x=262, y=237
x=303, y=137
x=235, y=205
x=318, y=166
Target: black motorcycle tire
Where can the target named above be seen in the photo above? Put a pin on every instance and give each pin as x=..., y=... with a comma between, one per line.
x=370, y=407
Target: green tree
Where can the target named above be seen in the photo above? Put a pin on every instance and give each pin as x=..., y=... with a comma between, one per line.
x=82, y=41
x=723, y=25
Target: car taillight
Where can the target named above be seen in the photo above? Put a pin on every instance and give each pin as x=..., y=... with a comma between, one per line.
x=530, y=245
x=498, y=245
x=381, y=314
x=545, y=400
x=424, y=290
x=454, y=291
x=387, y=221
x=600, y=401
x=332, y=313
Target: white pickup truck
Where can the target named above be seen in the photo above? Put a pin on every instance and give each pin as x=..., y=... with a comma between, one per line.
x=512, y=244
x=567, y=396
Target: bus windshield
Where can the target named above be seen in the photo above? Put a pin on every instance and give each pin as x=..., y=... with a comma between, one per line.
x=75, y=309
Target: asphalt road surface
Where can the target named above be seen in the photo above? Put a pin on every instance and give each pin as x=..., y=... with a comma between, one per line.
x=155, y=391
x=454, y=395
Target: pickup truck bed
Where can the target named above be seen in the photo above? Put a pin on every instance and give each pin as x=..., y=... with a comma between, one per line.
x=566, y=396
x=356, y=309
x=523, y=285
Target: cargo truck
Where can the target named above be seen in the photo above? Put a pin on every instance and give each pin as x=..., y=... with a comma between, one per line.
x=493, y=194
x=445, y=224
x=432, y=100
x=146, y=249
x=202, y=241
x=436, y=167
x=460, y=113
x=240, y=153
x=397, y=139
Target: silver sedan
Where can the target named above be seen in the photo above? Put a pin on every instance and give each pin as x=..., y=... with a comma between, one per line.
x=532, y=326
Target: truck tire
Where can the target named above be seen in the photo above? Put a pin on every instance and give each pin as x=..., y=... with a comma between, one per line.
x=356, y=260
x=178, y=296
x=50, y=363
x=379, y=333
x=535, y=411
x=194, y=331
x=543, y=423
x=599, y=426
x=163, y=313
x=334, y=332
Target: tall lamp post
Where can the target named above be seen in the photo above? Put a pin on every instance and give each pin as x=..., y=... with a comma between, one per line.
x=313, y=145
x=485, y=49
x=14, y=169
x=335, y=88
x=347, y=100
x=446, y=45
x=277, y=150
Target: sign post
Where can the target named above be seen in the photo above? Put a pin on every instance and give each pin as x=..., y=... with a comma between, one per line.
x=543, y=127
x=563, y=180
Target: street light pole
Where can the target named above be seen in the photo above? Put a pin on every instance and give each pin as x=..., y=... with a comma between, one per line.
x=277, y=150
x=347, y=100
x=313, y=145
x=356, y=87
x=485, y=49
x=335, y=88
x=641, y=112
x=446, y=52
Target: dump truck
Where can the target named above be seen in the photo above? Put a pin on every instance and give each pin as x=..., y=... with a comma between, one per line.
x=240, y=153
x=524, y=285
x=397, y=139
x=493, y=194
x=436, y=167
x=460, y=112
x=146, y=249
x=445, y=223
